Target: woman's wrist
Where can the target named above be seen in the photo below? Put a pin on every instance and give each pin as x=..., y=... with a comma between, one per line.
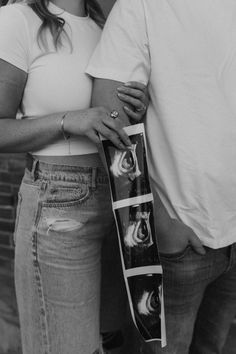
x=65, y=134
x=72, y=123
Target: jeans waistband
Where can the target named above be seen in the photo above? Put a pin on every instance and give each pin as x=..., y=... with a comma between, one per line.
x=47, y=171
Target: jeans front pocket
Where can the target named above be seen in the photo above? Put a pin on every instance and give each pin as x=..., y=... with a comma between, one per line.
x=176, y=255
x=70, y=217
x=66, y=194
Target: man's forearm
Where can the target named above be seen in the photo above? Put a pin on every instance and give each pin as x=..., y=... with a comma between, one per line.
x=105, y=94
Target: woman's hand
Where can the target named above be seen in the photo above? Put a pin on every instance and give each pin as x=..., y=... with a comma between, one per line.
x=135, y=94
x=94, y=122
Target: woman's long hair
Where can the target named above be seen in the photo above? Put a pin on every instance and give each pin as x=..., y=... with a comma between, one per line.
x=55, y=23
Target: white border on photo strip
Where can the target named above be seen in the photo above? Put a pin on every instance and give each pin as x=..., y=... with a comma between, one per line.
x=132, y=201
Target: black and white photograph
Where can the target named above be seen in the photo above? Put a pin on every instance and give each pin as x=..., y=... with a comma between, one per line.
x=117, y=154
x=127, y=168
x=137, y=235
x=146, y=294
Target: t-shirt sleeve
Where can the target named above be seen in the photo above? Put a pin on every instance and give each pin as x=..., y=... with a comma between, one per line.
x=123, y=53
x=14, y=37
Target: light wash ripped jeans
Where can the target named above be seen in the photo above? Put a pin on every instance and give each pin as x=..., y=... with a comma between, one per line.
x=64, y=214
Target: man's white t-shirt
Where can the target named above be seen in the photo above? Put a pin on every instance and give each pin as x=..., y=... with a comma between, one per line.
x=186, y=52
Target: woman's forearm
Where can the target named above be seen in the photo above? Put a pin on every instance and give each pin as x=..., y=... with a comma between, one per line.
x=32, y=134
x=29, y=134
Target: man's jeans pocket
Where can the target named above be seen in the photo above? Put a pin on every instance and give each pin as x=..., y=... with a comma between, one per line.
x=176, y=255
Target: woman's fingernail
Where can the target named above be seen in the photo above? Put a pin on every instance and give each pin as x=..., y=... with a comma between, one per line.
x=120, y=88
x=127, y=84
x=120, y=95
x=127, y=108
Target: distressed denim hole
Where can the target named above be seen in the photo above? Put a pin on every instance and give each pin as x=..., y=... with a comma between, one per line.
x=62, y=225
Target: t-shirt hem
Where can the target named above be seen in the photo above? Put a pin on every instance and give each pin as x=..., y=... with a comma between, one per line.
x=218, y=244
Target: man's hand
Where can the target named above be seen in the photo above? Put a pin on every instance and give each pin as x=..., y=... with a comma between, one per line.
x=173, y=236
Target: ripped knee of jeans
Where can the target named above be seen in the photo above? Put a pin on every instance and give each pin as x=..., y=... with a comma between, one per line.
x=112, y=340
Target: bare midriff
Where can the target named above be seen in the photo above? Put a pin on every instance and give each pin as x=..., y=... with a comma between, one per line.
x=72, y=160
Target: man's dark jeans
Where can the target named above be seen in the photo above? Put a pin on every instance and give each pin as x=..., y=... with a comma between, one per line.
x=200, y=300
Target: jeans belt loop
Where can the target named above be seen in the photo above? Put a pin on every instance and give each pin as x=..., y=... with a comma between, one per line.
x=94, y=178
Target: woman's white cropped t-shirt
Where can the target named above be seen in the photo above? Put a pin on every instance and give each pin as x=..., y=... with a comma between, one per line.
x=56, y=80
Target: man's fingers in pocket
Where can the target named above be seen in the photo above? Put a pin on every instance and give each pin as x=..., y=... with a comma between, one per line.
x=196, y=244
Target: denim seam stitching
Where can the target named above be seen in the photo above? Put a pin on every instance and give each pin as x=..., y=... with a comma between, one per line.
x=230, y=260
x=17, y=217
x=38, y=279
x=67, y=204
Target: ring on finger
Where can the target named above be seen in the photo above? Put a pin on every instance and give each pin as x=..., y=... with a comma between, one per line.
x=141, y=109
x=114, y=114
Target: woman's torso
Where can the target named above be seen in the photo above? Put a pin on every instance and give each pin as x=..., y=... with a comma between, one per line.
x=56, y=78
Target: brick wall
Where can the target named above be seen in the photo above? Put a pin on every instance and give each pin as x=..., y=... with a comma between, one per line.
x=11, y=170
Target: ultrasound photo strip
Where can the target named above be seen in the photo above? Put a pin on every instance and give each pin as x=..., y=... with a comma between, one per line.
x=132, y=203
x=128, y=171
x=145, y=295
x=136, y=231
x=142, y=274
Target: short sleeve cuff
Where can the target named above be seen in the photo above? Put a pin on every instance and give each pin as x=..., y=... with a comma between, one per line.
x=109, y=74
x=6, y=57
